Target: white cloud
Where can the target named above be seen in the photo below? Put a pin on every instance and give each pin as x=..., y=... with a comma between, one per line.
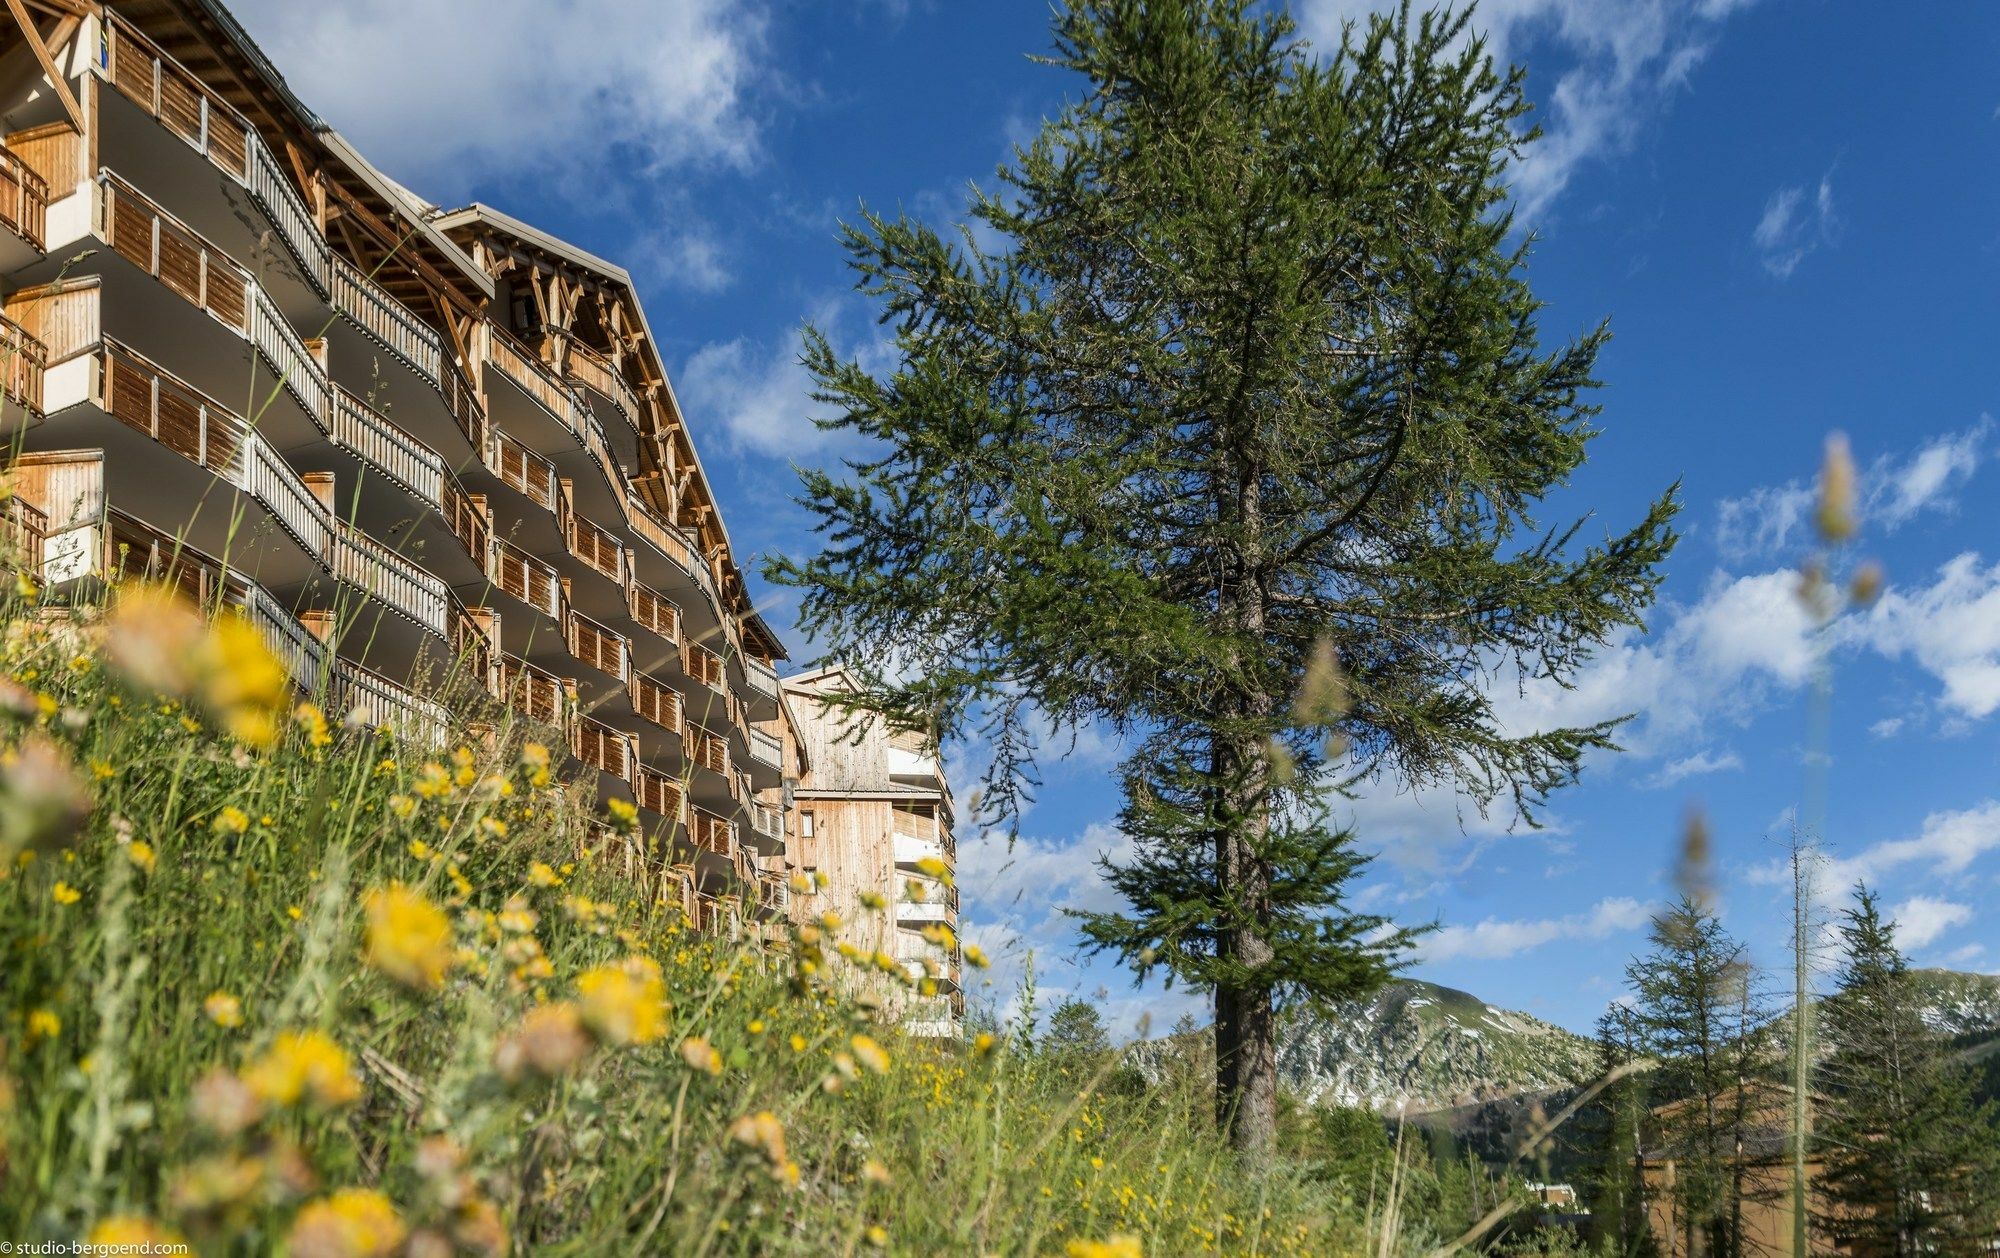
x=1497, y=939
x=1772, y=519
x=1951, y=628
x=760, y=394
x=1764, y=521
x=1887, y=727
x=1946, y=844
x=1697, y=765
x=1898, y=492
x=1624, y=64
x=1794, y=225
x=446, y=94
x=1921, y=919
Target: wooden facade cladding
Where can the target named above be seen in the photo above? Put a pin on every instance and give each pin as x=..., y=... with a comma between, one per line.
x=704, y=666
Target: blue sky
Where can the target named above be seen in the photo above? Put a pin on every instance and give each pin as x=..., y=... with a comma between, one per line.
x=1787, y=208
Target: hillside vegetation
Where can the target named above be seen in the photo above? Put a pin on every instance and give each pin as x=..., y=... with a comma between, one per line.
x=270, y=982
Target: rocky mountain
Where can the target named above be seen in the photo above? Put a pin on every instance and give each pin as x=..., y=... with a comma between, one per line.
x=1961, y=1004
x=1416, y=1046
x=1422, y=1048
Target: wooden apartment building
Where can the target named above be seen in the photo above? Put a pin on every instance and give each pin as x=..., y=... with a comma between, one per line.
x=872, y=815
x=415, y=446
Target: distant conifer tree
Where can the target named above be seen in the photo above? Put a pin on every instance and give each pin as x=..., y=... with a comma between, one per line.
x=1911, y=1162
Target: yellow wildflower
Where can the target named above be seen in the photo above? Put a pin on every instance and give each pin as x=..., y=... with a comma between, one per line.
x=541, y=874
x=625, y=1003
x=140, y=853
x=935, y=868
x=624, y=813
x=232, y=819
x=43, y=1025
x=303, y=1065
x=223, y=1009
x=1121, y=1246
x=65, y=894
x=313, y=721
x=409, y=938
x=975, y=956
x=131, y=1234
x=870, y=1054
x=700, y=1055
x=351, y=1223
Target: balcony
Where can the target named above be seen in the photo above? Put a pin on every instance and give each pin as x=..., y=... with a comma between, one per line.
x=704, y=666
x=707, y=750
x=711, y=833
x=181, y=102
x=360, y=561
x=598, y=549
x=932, y=902
x=766, y=822
x=660, y=794
x=597, y=646
x=762, y=678
x=535, y=692
x=517, y=573
x=372, y=437
x=910, y=849
x=656, y=702
x=592, y=370
x=603, y=748
x=24, y=200
x=386, y=321
x=654, y=612
x=766, y=749
x=23, y=359
x=521, y=469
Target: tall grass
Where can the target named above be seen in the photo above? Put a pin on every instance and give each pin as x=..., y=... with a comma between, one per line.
x=272, y=982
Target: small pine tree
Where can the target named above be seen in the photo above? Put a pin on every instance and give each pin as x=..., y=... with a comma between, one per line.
x=1611, y=1131
x=1912, y=1164
x=1698, y=1013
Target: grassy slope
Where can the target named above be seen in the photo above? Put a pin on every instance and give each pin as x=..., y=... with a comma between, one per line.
x=112, y=952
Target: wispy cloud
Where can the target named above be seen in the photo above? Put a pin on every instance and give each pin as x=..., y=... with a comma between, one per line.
x=1795, y=223
x=1697, y=765
x=1947, y=843
x=759, y=392
x=1623, y=65
x=1921, y=919
x=1897, y=488
x=1496, y=939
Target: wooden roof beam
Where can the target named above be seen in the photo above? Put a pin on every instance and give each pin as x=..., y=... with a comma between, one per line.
x=44, y=54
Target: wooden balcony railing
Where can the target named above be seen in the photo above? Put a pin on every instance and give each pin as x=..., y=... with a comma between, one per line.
x=656, y=702
x=516, y=572
x=597, y=646
x=766, y=748
x=386, y=320
x=536, y=692
x=367, y=564
x=711, y=833
x=24, y=526
x=182, y=102
x=24, y=199
x=704, y=666
x=706, y=749
x=603, y=553
x=23, y=358
x=762, y=677
x=466, y=515
x=591, y=369
x=144, y=235
x=521, y=469
x=375, y=438
x=385, y=703
x=514, y=360
x=765, y=820
x=658, y=793
x=602, y=747
x=655, y=612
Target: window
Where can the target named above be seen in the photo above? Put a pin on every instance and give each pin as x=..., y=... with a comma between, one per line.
x=806, y=824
